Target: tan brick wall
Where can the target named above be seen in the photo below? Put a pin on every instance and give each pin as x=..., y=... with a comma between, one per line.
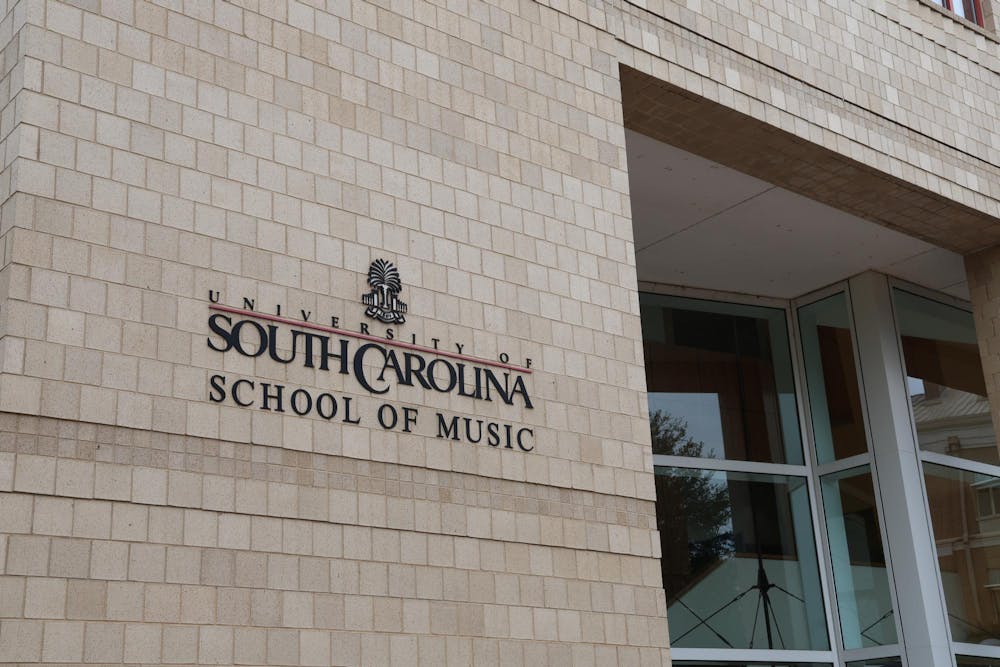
x=162, y=169
x=272, y=151
x=120, y=550
x=11, y=77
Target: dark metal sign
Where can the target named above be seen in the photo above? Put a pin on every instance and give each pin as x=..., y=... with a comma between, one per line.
x=377, y=364
x=383, y=301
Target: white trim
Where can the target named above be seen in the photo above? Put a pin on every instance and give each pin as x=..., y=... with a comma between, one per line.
x=841, y=465
x=873, y=652
x=976, y=650
x=869, y=457
x=818, y=295
x=960, y=464
x=730, y=465
x=927, y=293
x=747, y=655
x=664, y=289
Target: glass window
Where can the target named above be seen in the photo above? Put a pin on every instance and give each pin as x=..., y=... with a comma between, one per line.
x=945, y=379
x=738, y=559
x=832, y=379
x=858, y=559
x=720, y=380
x=876, y=662
x=971, y=661
x=968, y=550
x=967, y=9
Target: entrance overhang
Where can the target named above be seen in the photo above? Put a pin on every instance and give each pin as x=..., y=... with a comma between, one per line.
x=711, y=130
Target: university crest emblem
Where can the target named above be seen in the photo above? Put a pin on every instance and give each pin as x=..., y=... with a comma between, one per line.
x=383, y=301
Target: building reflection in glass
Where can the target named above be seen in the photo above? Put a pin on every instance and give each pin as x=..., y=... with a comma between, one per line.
x=945, y=379
x=965, y=514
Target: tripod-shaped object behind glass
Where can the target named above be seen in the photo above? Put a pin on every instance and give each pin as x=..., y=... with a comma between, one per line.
x=763, y=588
x=763, y=585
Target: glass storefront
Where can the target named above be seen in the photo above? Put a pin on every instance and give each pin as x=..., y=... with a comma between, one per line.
x=739, y=556
x=959, y=458
x=772, y=532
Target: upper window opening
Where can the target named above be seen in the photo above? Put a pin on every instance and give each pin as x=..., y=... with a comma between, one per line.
x=945, y=379
x=970, y=10
x=834, y=392
x=720, y=380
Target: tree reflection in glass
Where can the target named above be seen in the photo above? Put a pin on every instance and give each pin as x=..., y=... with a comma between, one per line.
x=739, y=566
x=701, y=530
x=726, y=370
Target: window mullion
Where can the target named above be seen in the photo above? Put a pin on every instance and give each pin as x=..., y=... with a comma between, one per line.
x=730, y=465
x=821, y=536
x=922, y=616
x=962, y=464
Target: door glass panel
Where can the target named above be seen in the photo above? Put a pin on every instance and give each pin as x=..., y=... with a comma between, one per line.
x=971, y=661
x=967, y=538
x=945, y=379
x=858, y=559
x=739, y=561
x=720, y=380
x=876, y=662
x=832, y=379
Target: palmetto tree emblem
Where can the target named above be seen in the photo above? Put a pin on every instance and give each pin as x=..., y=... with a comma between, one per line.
x=383, y=301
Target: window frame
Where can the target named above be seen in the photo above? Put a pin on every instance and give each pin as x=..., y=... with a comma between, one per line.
x=883, y=324
x=977, y=8
x=821, y=470
x=944, y=460
x=835, y=654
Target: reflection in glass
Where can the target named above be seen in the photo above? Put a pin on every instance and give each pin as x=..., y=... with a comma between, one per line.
x=831, y=376
x=722, y=374
x=876, y=662
x=739, y=563
x=967, y=537
x=971, y=661
x=859, y=569
x=945, y=379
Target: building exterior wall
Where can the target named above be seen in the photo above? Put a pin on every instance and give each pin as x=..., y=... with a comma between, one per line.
x=271, y=152
x=157, y=153
x=900, y=88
